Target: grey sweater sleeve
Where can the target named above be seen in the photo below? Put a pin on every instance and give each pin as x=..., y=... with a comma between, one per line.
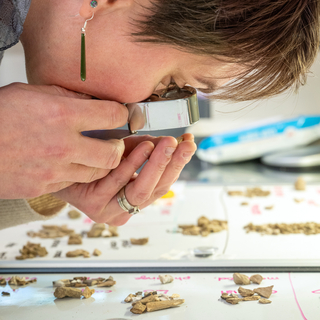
x=19, y=211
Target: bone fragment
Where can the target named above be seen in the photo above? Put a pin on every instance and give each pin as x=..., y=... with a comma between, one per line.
x=265, y=301
x=74, y=214
x=77, y=253
x=138, y=308
x=300, y=184
x=245, y=292
x=97, y=252
x=256, y=278
x=251, y=298
x=264, y=291
x=239, y=278
x=87, y=293
x=140, y=242
x=165, y=278
x=75, y=239
x=160, y=305
x=62, y=292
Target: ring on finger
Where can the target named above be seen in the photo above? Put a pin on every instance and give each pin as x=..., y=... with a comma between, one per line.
x=124, y=204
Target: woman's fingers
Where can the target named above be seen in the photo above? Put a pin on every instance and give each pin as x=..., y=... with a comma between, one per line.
x=140, y=190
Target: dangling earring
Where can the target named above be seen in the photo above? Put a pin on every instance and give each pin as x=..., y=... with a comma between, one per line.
x=83, y=69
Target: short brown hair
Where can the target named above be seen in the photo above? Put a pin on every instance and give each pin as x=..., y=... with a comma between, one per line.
x=276, y=40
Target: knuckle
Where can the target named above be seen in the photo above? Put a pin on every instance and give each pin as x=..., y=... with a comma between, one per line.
x=114, y=157
x=161, y=167
x=160, y=192
x=118, y=114
x=117, y=180
x=140, y=197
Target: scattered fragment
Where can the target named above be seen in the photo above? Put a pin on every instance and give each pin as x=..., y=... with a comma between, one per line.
x=79, y=282
x=298, y=200
x=160, y=305
x=233, y=300
x=138, y=308
x=300, y=184
x=112, y=231
x=269, y=207
x=251, y=298
x=3, y=282
x=250, y=193
x=140, y=242
x=129, y=298
x=74, y=214
x=62, y=292
x=61, y=283
x=5, y=293
x=265, y=291
x=87, y=293
x=265, y=301
x=165, y=278
x=97, y=252
x=204, y=227
x=152, y=301
x=239, y=278
x=244, y=203
x=224, y=296
x=51, y=232
x=256, y=278
x=107, y=283
x=32, y=250
x=245, y=292
x=96, y=230
x=75, y=239
x=284, y=228
x=77, y=253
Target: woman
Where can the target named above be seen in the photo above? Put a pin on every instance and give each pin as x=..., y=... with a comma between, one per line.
x=237, y=49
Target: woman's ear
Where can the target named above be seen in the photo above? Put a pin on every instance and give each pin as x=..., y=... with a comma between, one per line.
x=90, y=7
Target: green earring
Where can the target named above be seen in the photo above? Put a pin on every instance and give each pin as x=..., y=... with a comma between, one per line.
x=83, y=69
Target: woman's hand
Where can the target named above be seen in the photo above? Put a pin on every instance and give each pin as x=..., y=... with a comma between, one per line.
x=42, y=149
x=166, y=159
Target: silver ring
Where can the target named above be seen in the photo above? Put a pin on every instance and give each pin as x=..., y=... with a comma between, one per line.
x=124, y=203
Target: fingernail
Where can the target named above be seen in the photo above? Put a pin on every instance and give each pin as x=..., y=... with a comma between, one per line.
x=169, y=151
x=187, y=155
x=147, y=153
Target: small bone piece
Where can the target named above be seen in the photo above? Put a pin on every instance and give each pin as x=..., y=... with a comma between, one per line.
x=269, y=207
x=96, y=230
x=165, y=278
x=87, y=293
x=245, y=292
x=256, y=278
x=233, y=300
x=252, y=298
x=62, y=292
x=160, y=305
x=77, y=253
x=129, y=298
x=150, y=298
x=300, y=184
x=239, y=278
x=97, y=252
x=175, y=296
x=265, y=301
x=60, y=283
x=5, y=293
x=244, y=203
x=74, y=214
x=179, y=139
x=140, y=242
x=108, y=283
x=265, y=291
x=225, y=296
x=75, y=239
x=32, y=250
x=3, y=282
x=138, y=308
x=298, y=200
